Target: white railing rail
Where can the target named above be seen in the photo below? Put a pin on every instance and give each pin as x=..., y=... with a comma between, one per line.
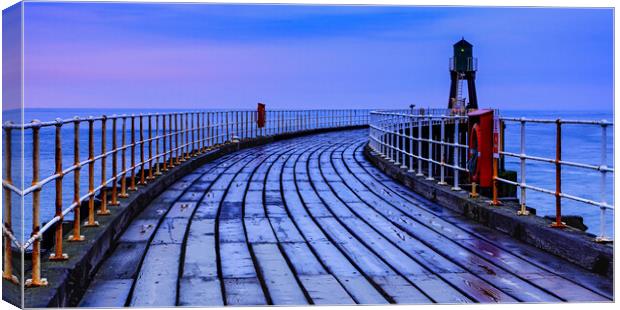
x=405, y=138
x=144, y=146
x=523, y=157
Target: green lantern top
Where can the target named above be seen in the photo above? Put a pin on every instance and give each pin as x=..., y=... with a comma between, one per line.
x=463, y=56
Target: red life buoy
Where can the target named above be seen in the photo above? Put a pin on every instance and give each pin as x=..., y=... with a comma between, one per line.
x=474, y=154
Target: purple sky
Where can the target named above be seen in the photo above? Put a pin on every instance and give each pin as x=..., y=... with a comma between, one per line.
x=203, y=56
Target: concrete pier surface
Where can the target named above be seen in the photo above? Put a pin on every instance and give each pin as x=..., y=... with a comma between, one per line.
x=310, y=221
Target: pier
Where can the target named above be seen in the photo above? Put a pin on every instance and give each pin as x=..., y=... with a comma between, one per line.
x=283, y=208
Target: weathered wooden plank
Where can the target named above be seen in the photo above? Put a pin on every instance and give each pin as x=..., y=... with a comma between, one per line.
x=200, y=292
x=236, y=261
x=259, y=230
x=303, y=260
x=139, y=230
x=156, y=284
x=244, y=292
x=279, y=279
x=171, y=230
x=231, y=230
x=123, y=263
x=285, y=230
x=231, y=209
x=400, y=290
x=181, y=210
x=325, y=290
x=106, y=294
x=200, y=257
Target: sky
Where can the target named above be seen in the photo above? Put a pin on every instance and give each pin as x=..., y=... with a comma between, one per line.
x=201, y=56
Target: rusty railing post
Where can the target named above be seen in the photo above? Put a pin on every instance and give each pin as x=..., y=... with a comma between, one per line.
x=7, y=271
x=157, y=153
x=132, y=180
x=203, y=147
x=142, y=161
x=164, y=151
x=123, y=193
x=209, y=131
x=193, y=150
x=187, y=132
x=172, y=134
x=103, y=209
x=496, y=150
x=90, y=222
x=58, y=255
x=114, y=196
x=183, y=137
x=149, y=176
x=558, y=176
x=523, y=210
x=36, y=279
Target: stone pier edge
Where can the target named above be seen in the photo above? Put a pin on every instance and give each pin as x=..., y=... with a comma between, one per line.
x=571, y=244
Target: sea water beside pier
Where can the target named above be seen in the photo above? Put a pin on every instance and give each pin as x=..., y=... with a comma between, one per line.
x=579, y=144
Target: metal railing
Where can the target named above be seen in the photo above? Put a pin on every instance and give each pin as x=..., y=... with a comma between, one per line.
x=472, y=64
x=157, y=143
x=557, y=162
x=419, y=140
x=405, y=138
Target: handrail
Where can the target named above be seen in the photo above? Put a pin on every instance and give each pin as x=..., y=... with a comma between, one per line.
x=175, y=136
x=558, y=163
x=391, y=136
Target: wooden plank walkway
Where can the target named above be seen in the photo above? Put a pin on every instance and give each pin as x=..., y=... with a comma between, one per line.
x=310, y=221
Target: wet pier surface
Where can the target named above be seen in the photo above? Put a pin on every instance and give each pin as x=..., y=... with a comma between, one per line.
x=310, y=221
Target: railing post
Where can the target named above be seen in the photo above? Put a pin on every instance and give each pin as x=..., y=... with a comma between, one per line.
x=209, y=131
x=36, y=279
x=157, y=153
x=227, y=128
x=164, y=150
x=58, y=255
x=187, y=142
x=403, y=122
x=114, y=198
x=103, y=209
x=236, y=133
x=76, y=236
x=90, y=222
x=457, y=153
x=132, y=179
x=142, y=159
x=392, y=126
x=411, y=142
x=523, y=210
x=430, y=149
x=170, y=145
x=7, y=271
x=150, y=146
x=442, y=151
x=602, y=238
x=192, y=151
x=177, y=133
x=558, y=176
x=396, y=126
x=203, y=147
x=419, y=118
x=123, y=193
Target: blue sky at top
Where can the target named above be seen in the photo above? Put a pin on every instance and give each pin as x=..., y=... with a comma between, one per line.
x=232, y=56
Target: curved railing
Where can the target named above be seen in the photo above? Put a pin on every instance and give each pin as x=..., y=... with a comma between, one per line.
x=432, y=144
x=147, y=145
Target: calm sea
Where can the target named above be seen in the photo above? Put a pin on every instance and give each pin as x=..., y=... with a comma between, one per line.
x=580, y=144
